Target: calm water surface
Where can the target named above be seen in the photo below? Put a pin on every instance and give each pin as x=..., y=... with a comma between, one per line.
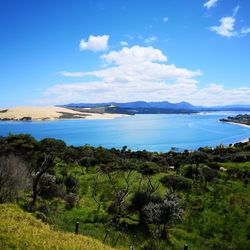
x=150, y=132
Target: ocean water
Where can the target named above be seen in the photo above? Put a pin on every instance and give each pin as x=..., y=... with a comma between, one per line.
x=150, y=132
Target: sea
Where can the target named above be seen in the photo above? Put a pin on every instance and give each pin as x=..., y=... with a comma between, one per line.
x=156, y=132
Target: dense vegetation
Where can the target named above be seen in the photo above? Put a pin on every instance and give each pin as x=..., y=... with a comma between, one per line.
x=242, y=119
x=123, y=197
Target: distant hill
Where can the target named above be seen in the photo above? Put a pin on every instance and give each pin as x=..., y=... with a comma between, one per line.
x=20, y=230
x=165, y=107
x=137, y=104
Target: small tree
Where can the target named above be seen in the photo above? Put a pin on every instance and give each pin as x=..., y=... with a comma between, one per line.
x=208, y=175
x=198, y=157
x=120, y=193
x=50, y=145
x=71, y=200
x=176, y=183
x=148, y=169
x=50, y=186
x=139, y=201
x=14, y=178
x=71, y=184
x=39, y=168
x=87, y=162
x=163, y=213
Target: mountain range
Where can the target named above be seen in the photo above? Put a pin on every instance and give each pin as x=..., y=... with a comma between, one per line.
x=142, y=107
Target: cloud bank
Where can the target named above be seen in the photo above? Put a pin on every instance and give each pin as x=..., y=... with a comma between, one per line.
x=142, y=73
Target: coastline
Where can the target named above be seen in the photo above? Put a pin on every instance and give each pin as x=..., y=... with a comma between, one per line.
x=239, y=124
x=242, y=125
x=245, y=140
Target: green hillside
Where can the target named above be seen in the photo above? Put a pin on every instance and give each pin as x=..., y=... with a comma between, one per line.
x=20, y=230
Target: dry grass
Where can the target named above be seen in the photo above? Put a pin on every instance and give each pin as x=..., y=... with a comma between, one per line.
x=20, y=230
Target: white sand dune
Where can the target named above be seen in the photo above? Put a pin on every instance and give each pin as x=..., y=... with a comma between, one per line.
x=239, y=124
x=50, y=113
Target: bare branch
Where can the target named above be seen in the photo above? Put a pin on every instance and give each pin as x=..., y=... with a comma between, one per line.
x=94, y=193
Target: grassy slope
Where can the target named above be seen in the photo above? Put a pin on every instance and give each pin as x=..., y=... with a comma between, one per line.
x=20, y=230
x=201, y=228
x=202, y=231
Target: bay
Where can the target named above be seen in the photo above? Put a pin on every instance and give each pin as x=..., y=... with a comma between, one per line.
x=149, y=132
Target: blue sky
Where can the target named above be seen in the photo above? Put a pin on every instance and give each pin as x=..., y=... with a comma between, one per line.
x=60, y=51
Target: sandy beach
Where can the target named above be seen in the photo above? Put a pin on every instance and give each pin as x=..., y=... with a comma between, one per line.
x=242, y=125
x=50, y=113
x=245, y=140
x=239, y=124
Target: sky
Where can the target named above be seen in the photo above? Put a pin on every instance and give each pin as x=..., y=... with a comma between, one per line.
x=58, y=51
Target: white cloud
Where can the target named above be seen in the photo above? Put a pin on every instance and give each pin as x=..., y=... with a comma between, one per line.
x=135, y=54
x=214, y=94
x=142, y=73
x=235, y=10
x=165, y=19
x=226, y=27
x=137, y=64
x=245, y=31
x=124, y=43
x=150, y=39
x=95, y=43
x=71, y=74
x=210, y=3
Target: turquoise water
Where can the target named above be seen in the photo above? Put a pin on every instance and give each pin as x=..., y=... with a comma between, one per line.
x=150, y=132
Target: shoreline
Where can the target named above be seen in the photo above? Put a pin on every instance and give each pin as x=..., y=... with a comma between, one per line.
x=242, y=125
x=239, y=124
x=245, y=140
